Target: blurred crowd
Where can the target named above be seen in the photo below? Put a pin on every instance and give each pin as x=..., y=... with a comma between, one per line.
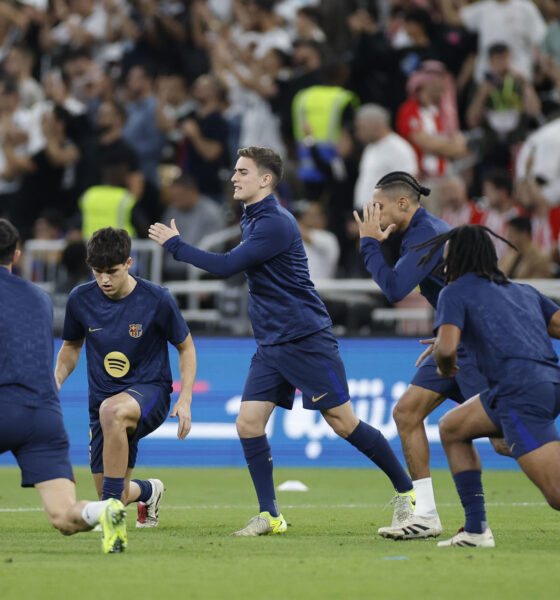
x=124, y=112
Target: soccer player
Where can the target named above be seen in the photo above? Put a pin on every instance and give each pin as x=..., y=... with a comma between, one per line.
x=31, y=426
x=505, y=326
x=396, y=208
x=296, y=347
x=126, y=322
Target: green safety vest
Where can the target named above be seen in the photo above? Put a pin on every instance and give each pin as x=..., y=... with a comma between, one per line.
x=106, y=206
x=321, y=107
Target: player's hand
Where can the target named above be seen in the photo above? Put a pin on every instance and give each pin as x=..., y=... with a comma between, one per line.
x=427, y=351
x=160, y=233
x=449, y=373
x=370, y=226
x=182, y=409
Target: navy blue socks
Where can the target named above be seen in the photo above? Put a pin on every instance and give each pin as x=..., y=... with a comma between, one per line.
x=370, y=441
x=113, y=487
x=145, y=490
x=259, y=460
x=469, y=487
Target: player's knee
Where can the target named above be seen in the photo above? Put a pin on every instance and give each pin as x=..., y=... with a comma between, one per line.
x=247, y=427
x=60, y=522
x=447, y=429
x=403, y=416
x=552, y=496
x=110, y=414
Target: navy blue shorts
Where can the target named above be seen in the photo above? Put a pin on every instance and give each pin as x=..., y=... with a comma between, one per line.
x=154, y=400
x=311, y=364
x=526, y=417
x=38, y=440
x=468, y=382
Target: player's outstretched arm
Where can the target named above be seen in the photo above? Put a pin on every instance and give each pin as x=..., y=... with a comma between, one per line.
x=67, y=360
x=445, y=350
x=160, y=233
x=187, y=370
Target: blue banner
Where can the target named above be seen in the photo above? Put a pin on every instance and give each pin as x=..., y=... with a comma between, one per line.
x=378, y=373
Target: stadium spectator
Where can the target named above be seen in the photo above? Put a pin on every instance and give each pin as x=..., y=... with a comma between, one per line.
x=204, y=150
x=497, y=188
x=539, y=158
x=527, y=262
x=457, y=209
x=196, y=215
x=18, y=64
x=516, y=23
x=428, y=120
x=140, y=129
x=502, y=105
x=174, y=105
x=321, y=246
x=384, y=150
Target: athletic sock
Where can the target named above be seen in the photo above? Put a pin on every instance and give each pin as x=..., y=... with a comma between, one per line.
x=425, y=501
x=113, y=487
x=92, y=511
x=469, y=487
x=370, y=441
x=259, y=460
x=145, y=489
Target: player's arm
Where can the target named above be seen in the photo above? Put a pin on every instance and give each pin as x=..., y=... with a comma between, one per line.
x=398, y=282
x=445, y=349
x=270, y=237
x=187, y=371
x=67, y=360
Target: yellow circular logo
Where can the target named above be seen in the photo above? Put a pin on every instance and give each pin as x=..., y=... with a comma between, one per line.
x=116, y=364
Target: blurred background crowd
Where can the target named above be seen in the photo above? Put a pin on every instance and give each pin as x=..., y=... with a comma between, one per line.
x=124, y=112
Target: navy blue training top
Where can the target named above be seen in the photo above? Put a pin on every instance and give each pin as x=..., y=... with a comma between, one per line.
x=126, y=339
x=504, y=328
x=283, y=303
x=398, y=282
x=26, y=344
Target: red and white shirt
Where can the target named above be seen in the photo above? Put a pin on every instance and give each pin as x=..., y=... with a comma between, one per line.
x=468, y=214
x=413, y=118
x=497, y=222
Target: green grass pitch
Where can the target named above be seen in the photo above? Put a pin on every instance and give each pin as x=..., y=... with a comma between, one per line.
x=331, y=550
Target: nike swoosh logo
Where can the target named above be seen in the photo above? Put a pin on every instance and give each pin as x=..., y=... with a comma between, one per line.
x=313, y=399
x=92, y=330
x=511, y=447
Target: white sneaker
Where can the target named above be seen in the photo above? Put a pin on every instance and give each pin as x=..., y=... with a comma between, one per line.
x=148, y=511
x=415, y=527
x=464, y=538
x=263, y=524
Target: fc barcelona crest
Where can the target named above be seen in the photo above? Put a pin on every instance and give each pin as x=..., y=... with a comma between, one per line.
x=135, y=330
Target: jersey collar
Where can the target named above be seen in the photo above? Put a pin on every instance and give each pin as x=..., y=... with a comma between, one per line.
x=259, y=207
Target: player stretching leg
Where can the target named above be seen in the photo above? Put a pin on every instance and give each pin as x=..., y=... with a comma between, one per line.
x=397, y=208
x=296, y=347
x=31, y=426
x=505, y=326
x=126, y=322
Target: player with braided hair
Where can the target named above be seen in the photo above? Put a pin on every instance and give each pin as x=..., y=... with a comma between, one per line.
x=396, y=208
x=505, y=327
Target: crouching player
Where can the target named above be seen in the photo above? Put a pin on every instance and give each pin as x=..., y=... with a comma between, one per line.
x=31, y=426
x=506, y=327
x=126, y=323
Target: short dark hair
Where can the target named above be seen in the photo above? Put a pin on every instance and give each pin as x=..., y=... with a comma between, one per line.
x=400, y=182
x=521, y=224
x=108, y=247
x=9, y=238
x=186, y=181
x=498, y=48
x=266, y=159
x=500, y=179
